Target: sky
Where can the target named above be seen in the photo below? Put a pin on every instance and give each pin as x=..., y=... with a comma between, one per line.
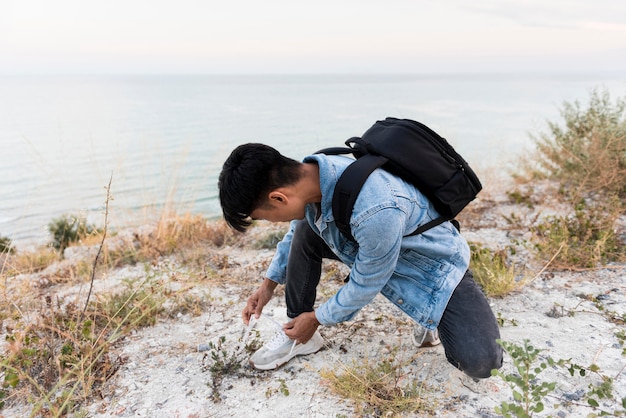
x=316, y=36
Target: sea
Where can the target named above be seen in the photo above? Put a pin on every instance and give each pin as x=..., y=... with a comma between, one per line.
x=160, y=140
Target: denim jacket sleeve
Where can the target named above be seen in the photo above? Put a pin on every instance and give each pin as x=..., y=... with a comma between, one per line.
x=380, y=239
x=277, y=271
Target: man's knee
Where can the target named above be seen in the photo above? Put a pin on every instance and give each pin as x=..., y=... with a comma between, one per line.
x=480, y=365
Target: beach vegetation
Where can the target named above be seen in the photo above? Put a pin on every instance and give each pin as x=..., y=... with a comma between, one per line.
x=380, y=388
x=30, y=261
x=61, y=358
x=584, y=239
x=223, y=361
x=6, y=245
x=493, y=271
x=68, y=229
x=586, y=151
x=585, y=154
x=269, y=240
x=532, y=394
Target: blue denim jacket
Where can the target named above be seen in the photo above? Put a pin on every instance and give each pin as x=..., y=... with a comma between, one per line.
x=418, y=273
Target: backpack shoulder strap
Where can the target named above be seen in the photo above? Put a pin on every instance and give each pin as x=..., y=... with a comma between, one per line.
x=434, y=223
x=348, y=187
x=335, y=151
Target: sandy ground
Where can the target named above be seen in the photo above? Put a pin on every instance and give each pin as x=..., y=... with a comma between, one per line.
x=164, y=374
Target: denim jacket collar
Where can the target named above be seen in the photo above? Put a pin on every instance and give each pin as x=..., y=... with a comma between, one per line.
x=330, y=170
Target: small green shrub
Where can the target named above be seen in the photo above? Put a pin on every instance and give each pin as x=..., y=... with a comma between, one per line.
x=586, y=156
x=225, y=362
x=136, y=306
x=520, y=198
x=69, y=229
x=530, y=391
x=6, y=245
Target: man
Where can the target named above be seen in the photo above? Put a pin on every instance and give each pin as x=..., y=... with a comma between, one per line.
x=425, y=275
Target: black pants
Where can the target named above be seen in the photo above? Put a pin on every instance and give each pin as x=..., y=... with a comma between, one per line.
x=468, y=328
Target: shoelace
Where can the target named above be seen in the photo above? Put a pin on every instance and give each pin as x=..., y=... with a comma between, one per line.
x=279, y=338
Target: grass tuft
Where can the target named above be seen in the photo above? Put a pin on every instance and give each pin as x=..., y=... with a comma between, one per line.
x=493, y=272
x=379, y=389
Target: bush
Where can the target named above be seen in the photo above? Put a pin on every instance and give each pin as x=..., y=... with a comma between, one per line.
x=6, y=246
x=69, y=229
x=587, y=154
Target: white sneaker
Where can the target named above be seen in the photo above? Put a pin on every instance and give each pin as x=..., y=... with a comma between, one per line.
x=280, y=349
x=423, y=337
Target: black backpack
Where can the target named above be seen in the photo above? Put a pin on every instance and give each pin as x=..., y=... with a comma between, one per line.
x=414, y=152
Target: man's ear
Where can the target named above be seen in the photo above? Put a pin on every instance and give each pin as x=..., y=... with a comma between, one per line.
x=278, y=197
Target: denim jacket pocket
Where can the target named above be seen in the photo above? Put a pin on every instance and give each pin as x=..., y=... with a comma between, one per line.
x=427, y=272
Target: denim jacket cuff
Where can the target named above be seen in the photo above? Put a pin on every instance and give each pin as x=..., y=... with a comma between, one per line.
x=323, y=316
x=275, y=275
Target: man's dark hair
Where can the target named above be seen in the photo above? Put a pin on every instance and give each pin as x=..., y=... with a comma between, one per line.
x=248, y=175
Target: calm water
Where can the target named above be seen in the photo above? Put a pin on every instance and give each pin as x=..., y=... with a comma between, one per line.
x=164, y=138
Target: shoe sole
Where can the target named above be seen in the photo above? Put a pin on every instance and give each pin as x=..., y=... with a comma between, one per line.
x=426, y=341
x=429, y=344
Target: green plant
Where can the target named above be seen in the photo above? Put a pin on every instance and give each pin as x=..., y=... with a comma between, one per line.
x=6, y=245
x=528, y=391
x=225, y=362
x=621, y=337
x=502, y=321
x=586, y=156
x=68, y=229
x=493, y=273
x=520, y=198
x=282, y=388
x=138, y=305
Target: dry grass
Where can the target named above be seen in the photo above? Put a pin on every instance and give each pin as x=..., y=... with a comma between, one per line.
x=587, y=238
x=57, y=355
x=30, y=261
x=381, y=388
x=493, y=272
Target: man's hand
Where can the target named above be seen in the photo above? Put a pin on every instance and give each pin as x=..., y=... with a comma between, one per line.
x=302, y=327
x=258, y=300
